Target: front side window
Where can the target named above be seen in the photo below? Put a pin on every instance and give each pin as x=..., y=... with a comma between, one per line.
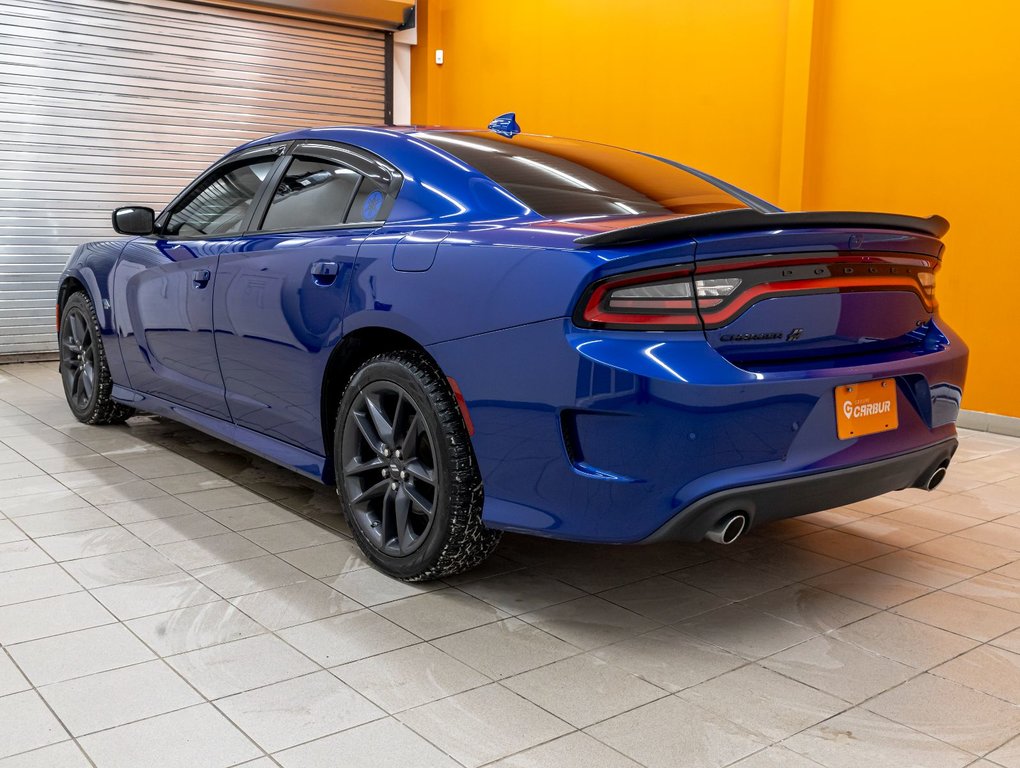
x=220, y=205
x=313, y=194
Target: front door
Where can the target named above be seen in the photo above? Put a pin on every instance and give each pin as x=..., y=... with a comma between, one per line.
x=164, y=286
x=279, y=303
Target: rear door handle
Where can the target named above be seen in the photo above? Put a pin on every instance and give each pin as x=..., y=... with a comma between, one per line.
x=324, y=272
x=201, y=277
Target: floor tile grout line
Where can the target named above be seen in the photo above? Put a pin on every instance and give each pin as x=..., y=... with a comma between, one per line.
x=51, y=710
x=902, y=725
x=980, y=571
x=918, y=730
x=801, y=581
x=322, y=668
x=204, y=699
x=514, y=615
x=385, y=716
x=920, y=672
x=661, y=624
x=70, y=739
x=499, y=681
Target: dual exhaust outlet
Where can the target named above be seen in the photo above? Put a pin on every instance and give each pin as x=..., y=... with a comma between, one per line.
x=732, y=526
x=729, y=528
x=935, y=478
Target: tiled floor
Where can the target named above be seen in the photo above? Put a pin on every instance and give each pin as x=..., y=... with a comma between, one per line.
x=166, y=600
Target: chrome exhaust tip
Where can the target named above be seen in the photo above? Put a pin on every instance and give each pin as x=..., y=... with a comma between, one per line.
x=728, y=529
x=936, y=477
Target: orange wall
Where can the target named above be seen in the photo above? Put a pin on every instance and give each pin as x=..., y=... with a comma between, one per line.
x=918, y=111
x=582, y=68
x=911, y=107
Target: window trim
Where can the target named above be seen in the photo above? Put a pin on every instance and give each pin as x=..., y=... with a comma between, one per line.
x=277, y=150
x=285, y=151
x=270, y=192
x=360, y=161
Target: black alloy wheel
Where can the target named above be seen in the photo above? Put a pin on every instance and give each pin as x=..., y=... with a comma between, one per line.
x=406, y=472
x=78, y=359
x=390, y=469
x=83, y=368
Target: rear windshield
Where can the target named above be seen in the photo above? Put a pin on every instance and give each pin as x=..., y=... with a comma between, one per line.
x=563, y=178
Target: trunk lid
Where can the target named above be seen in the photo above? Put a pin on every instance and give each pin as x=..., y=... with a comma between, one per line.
x=816, y=293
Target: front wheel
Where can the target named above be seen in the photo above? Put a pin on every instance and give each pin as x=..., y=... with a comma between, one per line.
x=83, y=368
x=406, y=473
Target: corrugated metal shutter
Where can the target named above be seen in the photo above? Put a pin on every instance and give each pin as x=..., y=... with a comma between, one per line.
x=106, y=103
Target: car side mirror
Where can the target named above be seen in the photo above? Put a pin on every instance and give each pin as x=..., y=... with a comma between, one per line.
x=134, y=220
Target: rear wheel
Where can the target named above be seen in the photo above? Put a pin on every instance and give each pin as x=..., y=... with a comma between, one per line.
x=83, y=368
x=406, y=473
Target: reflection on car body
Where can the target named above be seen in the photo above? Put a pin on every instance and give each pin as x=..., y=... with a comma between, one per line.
x=476, y=331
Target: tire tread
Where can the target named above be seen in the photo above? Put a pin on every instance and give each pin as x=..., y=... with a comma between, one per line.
x=469, y=542
x=106, y=410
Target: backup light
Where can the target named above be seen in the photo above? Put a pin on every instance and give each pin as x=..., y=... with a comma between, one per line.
x=718, y=286
x=927, y=281
x=712, y=290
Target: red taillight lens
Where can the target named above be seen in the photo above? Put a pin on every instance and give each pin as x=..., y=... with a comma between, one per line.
x=650, y=299
x=801, y=275
x=723, y=289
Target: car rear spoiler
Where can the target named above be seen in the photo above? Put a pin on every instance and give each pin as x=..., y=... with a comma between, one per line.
x=721, y=222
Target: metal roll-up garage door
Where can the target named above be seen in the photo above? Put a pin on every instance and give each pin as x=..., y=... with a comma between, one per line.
x=106, y=103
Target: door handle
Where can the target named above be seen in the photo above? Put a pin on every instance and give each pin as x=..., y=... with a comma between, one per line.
x=200, y=277
x=324, y=272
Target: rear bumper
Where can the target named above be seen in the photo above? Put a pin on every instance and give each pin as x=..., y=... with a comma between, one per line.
x=766, y=502
x=609, y=436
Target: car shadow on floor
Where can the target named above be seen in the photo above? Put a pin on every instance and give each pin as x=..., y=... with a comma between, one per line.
x=591, y=567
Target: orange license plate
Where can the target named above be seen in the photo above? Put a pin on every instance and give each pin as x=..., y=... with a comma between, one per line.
x=866, y=408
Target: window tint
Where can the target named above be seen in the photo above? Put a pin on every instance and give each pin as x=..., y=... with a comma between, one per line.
x=368, y=203
x=220, y=205
x=313, y=193
x=572, y=179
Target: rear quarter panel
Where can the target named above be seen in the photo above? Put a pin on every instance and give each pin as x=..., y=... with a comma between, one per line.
x=474, y=285
x=485, y=279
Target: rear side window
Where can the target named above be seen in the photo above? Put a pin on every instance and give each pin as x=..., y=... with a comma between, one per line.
x=368, y=203
x=313, y=193
x=220, y=205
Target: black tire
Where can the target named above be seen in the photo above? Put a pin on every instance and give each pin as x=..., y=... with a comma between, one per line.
x=83, y=367
x=434, y=479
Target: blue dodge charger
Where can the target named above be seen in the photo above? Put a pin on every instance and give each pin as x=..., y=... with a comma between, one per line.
x=468, y=332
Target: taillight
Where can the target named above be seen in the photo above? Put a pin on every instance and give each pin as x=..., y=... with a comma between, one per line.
x=659, y=299
x=713, y=290
x=927, y=281
x=723, y=289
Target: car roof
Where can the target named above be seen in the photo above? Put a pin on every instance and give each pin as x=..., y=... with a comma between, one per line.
x=352, y=133
x=449, y=178
x=397, y=145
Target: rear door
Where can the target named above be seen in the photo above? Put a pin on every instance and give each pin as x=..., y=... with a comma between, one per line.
x=280, y=300
x=164, y=284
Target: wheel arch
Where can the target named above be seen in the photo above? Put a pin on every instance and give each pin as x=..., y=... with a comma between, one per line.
x=70, y=284
x=83, y=281
x=353, y=350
